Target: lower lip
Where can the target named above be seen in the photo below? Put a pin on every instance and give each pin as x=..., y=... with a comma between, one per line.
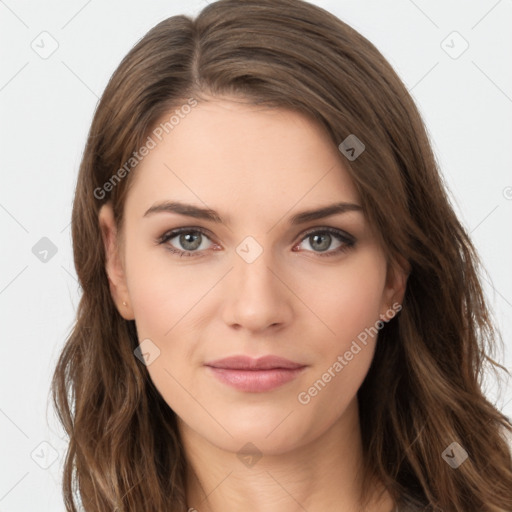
x=255, y=381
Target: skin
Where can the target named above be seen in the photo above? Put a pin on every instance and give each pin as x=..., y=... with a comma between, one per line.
x=256, y=167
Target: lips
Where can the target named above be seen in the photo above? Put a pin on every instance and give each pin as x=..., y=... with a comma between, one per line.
x=255, y=375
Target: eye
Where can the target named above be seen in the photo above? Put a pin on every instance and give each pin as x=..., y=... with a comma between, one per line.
x=321, y=239
x=194, y=241
x=189, y=241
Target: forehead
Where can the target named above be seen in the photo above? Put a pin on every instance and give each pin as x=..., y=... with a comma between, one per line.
x=242, y=158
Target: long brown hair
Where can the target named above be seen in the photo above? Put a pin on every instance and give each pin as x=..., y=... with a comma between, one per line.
x=423, y=390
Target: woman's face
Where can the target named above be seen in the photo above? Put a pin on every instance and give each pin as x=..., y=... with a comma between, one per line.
x=257, y=278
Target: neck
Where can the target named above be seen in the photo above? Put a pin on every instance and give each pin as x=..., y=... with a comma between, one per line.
x=322, y=475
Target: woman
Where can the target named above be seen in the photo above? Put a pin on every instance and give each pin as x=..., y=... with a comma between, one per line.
x=280, y=309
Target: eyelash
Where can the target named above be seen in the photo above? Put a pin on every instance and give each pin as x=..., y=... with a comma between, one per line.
x=348, y=241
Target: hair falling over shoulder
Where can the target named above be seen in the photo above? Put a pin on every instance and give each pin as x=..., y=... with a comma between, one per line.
x=124, y=451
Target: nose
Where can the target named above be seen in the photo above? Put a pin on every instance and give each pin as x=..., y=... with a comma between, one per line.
x=257, y=298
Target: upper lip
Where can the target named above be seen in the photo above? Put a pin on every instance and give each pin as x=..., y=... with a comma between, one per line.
x=269, y=362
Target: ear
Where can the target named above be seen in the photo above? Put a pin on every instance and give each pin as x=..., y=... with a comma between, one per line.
x=114, y=263
x=394, y=291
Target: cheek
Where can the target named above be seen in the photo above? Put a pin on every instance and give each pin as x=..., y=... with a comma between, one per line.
x=349, y=298
x=350, y=308
x=164, y=300
x=161, y=291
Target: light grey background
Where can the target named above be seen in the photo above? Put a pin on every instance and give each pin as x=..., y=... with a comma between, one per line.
x=46, y=109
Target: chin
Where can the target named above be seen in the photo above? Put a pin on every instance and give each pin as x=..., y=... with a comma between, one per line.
x=273, y=429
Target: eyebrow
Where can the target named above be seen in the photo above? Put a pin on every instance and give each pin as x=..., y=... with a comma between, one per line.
x=208, y=214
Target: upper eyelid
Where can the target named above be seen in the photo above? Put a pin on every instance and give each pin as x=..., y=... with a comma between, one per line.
x=328, y=229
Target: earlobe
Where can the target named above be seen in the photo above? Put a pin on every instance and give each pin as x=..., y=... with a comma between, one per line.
x=396, y=284
x=113, y=264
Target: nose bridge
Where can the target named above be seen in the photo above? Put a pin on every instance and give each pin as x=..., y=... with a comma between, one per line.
x=256, y=272
x=257, y=297
x=254, y=265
